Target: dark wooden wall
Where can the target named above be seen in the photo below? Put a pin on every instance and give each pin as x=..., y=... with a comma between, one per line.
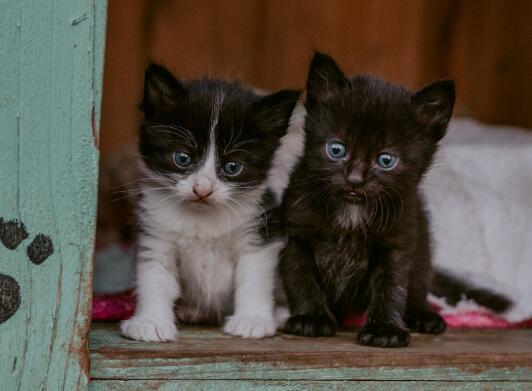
x=484, y=44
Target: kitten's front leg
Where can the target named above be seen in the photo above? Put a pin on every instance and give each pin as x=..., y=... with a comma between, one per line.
x=419, y=317
x=254, y=297
x=308, y=305
x=385, y=326
x=156, y=291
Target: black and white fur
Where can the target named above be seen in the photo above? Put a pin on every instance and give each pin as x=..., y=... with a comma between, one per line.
x=209, y=243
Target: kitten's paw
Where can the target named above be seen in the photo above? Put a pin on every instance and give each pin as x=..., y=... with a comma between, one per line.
x=310, y=326
x=149, y=330
x=281, y=315
x=425, y=322
x=383, y=335
x=247, y=326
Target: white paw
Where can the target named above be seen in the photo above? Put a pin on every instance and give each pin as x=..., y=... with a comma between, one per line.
x=149, y=330
x=248, y=326
x=281, y=315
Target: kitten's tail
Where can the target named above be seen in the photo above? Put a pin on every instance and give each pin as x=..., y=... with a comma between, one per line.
x=453, y=289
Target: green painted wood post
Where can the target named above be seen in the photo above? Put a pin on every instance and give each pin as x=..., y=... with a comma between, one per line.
x=51, y=64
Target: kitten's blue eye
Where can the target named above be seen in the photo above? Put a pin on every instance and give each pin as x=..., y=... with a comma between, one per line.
x=336, y=150
x=232, y=168
x=387, y=161
x=182, y=159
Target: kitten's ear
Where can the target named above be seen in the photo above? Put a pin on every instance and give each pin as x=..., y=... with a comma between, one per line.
x=434, y=106
x=325, y=79
x=162, y=92
x=272, y=112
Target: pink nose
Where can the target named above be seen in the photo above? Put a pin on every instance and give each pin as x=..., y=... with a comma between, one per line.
x=202, y=193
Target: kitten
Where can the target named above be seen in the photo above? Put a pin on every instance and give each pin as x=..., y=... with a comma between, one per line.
x=208, y=236
x=357, y=228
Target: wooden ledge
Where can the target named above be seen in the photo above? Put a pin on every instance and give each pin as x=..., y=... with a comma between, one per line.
x=205, y=354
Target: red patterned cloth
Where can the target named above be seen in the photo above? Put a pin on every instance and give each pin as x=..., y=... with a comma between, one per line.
x=122, y=306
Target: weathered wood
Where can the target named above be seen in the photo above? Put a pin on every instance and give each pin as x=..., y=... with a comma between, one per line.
x=244, y=385
x=206, y=354
x=50, y=87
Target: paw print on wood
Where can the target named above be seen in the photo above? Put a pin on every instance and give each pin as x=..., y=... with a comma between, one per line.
x=12, y=234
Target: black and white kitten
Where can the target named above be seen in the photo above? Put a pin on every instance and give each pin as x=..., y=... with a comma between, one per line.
x=206, y=238
x=357, y=228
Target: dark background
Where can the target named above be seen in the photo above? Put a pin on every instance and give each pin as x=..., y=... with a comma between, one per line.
x=486, y=45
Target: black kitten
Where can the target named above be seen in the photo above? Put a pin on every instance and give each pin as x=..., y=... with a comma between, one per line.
x=357, y=228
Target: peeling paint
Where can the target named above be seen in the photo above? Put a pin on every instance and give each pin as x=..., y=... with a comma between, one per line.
x=79, y=20
x=95, y=138
x=50, y=183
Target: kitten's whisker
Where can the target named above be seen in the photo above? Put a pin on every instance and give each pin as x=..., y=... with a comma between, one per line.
x=254, y=204
x=136, y=192
x=175, y=130
x=234, y=211
x=308, y=181
x=143, y=189
x=239, y=150
x=387, y=211
x=236, y=147
x=381, y=213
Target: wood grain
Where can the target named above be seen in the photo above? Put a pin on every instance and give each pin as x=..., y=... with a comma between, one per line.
x=50, y=84
x=484, y=45
x=206, y=354
x=243, y=385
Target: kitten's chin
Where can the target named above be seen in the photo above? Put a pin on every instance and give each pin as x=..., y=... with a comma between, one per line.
x=200, y=205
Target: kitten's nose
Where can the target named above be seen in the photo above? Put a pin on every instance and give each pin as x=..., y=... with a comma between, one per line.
x=355, y=178
x=202, y=192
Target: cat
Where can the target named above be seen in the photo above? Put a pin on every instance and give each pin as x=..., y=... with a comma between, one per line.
x=209, y=234
x=356, y=225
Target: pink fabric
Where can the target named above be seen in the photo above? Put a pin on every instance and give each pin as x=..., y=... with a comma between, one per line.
x=466, y=320
x=112, y=307
x=122, y=306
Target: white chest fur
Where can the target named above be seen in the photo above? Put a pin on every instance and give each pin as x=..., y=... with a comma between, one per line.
x=205, y=249
x=206, y=273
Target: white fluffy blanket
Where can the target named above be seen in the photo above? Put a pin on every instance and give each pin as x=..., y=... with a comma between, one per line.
x=479, y=194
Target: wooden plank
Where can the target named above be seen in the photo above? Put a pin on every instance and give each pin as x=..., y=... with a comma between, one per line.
x=50, y=84
x=207, y=354
x=244, y=385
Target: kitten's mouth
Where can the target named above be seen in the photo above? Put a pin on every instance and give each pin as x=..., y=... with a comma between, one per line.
x=354, y=197
x=200, y=202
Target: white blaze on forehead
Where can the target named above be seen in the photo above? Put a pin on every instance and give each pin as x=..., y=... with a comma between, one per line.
x=215, y=114
x=206, y=175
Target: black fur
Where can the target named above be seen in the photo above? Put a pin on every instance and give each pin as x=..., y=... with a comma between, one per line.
x=381, y=264
x=454, y=288
x=177, y=117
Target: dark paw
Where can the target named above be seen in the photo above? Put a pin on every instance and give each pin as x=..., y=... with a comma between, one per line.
x=310, y=326
x=425, y=322
x=12, y=234
x=383, y=336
